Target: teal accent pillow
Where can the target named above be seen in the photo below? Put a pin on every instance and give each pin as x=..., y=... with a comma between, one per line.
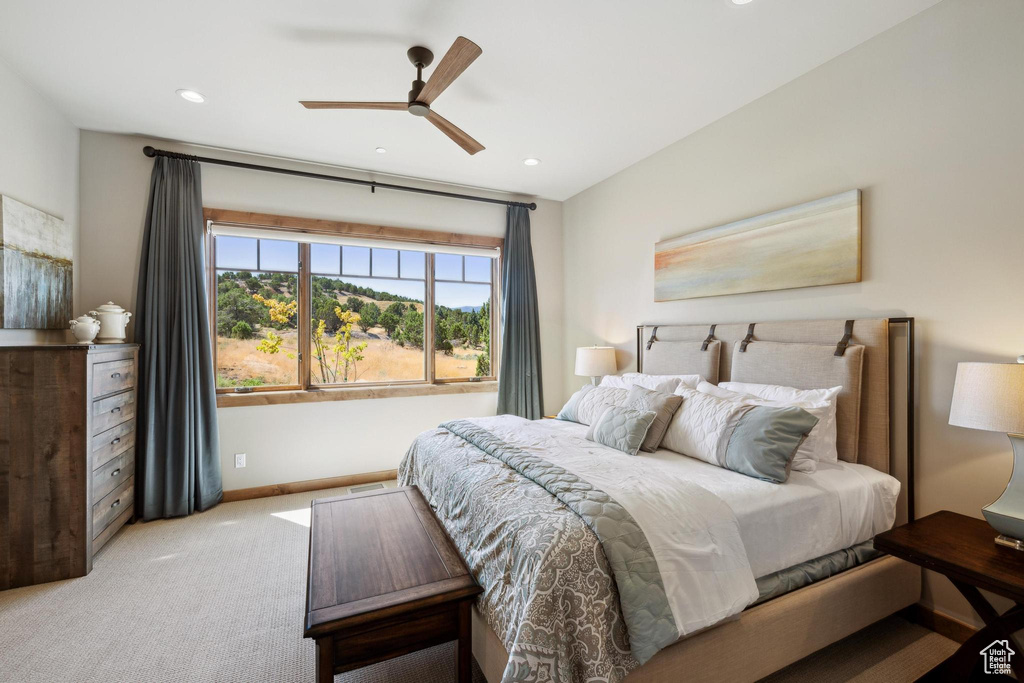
x=664, y=407
x=764, y=441
x=621, y=428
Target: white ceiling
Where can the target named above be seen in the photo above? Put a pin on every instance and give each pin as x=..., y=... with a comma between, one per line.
x=588, y=86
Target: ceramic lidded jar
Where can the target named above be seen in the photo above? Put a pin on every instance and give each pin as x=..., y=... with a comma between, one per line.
x=113, y=320
x=85, y=329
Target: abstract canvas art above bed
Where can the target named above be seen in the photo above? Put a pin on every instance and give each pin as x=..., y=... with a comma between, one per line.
x=812, y=244
x=36, y=266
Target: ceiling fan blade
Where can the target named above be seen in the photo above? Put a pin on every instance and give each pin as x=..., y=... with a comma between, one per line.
x=454, y=132
x=460, y=55
x=397, y=106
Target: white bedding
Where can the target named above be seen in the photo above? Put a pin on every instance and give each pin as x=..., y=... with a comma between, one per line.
x=698, y=546
x=781, y=525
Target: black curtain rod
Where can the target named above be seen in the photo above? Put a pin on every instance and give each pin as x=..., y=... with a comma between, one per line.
x=372, y=184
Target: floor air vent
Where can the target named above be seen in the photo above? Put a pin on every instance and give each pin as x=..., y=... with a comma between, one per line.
x=367, y=487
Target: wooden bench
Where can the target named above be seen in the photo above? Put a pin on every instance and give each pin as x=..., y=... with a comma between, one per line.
x=384, y=580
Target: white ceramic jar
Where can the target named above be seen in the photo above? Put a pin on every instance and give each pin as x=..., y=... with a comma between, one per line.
x=113, y=320
x=85, y=329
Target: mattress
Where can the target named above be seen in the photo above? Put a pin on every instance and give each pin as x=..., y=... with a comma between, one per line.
x=783, y=525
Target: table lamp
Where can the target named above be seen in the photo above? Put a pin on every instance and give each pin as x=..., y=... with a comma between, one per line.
x=595, y=361
x=990, y=396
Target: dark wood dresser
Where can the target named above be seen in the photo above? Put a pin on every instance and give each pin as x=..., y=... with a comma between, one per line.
x=67, y=456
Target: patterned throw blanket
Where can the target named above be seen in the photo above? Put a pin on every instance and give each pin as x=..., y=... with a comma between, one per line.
x=591, y=561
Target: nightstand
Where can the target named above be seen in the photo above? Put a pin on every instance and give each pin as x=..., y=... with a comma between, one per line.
x=963, y=549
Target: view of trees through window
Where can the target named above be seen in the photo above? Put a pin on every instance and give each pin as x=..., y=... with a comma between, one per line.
x=367, y=321
x=462, y=322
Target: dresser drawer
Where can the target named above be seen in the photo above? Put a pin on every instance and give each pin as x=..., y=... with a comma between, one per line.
x=106, y=534
x=115, y=375
x=111, y=475
x=112, y=505
x=112, y=411
x=112, y=442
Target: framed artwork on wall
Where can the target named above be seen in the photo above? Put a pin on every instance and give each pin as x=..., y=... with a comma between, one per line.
x=812, y=244
x=36, y=268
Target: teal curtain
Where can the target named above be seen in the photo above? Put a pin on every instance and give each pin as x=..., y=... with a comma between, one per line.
x=178, y=453
x=519, y=384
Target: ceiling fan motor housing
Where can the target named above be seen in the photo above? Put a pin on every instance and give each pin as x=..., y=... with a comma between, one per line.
x=416, y=107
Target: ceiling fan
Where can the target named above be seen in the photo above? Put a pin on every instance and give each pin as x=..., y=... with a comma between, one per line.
x=460, y=55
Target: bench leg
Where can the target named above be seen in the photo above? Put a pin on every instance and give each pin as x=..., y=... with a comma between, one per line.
x=464, y=646
x=325, y=659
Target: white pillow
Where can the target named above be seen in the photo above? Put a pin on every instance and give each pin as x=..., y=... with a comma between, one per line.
x=806, y=457
x=663, y=383
x=823, y=437
x=697, y=427
x=587, y=404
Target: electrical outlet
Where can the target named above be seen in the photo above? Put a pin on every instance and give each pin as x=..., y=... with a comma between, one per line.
x=239, y=460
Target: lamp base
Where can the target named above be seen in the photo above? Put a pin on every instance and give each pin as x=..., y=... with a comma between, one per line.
x=1009, y=542
x=1006, y=515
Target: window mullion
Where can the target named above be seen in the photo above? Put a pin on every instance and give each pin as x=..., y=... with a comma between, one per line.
x=428, y=318
x=495, y=315
x=305, y=314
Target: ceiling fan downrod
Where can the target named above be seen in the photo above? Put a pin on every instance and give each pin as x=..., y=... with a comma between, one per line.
x=420, y=57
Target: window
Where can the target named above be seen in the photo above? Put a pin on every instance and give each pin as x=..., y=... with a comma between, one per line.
x=462, y=315
x=367, y=321
x=297, y=310
x=256, y=321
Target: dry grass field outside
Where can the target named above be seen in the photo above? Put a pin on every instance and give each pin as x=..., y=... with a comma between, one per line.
x=238, y=360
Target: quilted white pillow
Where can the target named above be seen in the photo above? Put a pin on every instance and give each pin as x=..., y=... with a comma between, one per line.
x=806, y=457
x=663, y=383
x=697, y=427
x=822, y=438
x=587, y=404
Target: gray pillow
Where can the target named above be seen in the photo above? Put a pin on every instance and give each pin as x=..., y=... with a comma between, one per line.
x=587, y=404
x=764, y=440
x=664, y=405
x=621, y=428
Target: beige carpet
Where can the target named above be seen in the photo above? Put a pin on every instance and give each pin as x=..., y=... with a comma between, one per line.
x=219, y=597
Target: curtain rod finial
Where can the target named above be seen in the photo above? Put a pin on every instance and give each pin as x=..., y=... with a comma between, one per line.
x=149, y=151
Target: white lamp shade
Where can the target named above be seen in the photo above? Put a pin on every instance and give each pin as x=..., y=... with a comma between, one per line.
x=594, y=361
x=989, y=396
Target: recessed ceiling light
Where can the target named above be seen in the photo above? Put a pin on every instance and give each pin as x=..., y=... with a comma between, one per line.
x=531, y=161
x=741, y=2
x=381, y=150
x=192, y=96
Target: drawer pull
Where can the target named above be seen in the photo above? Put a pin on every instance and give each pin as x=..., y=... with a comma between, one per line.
x=115, y=503
x=115, y=375
x=116, y=472
x=115, y=441
x=116, y=410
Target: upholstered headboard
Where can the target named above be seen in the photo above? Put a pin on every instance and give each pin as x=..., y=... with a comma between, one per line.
x=808, y=354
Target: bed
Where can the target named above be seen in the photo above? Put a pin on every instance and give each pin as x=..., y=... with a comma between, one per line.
x=726, y=563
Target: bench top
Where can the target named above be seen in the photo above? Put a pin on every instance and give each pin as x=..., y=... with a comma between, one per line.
x=377, y=555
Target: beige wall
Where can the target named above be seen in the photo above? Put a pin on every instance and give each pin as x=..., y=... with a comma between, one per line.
x=38, y=167
x=309, y=441
x=927, y=120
